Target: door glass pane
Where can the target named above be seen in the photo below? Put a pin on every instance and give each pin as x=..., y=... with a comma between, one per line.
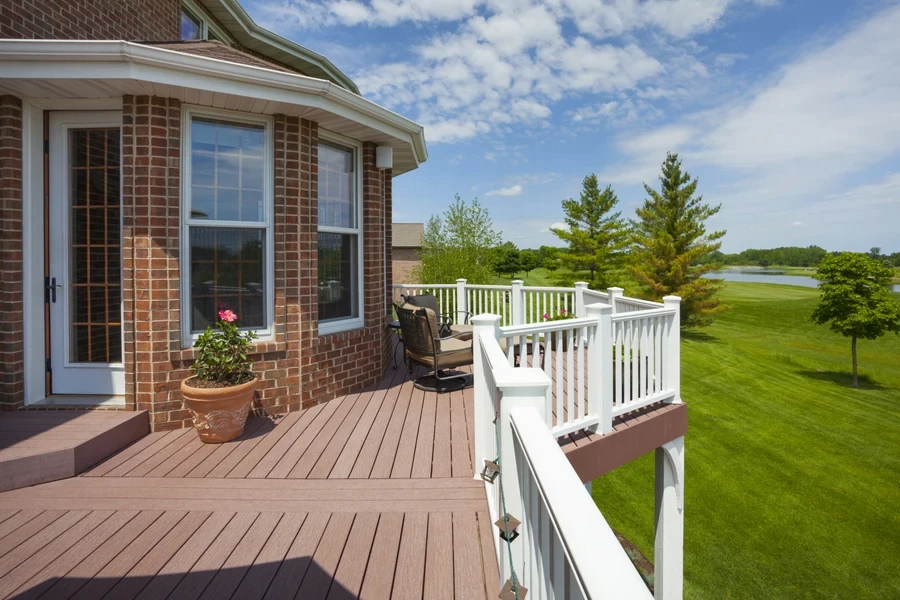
x=95, y=278
x=337, y=276
x=227, y=273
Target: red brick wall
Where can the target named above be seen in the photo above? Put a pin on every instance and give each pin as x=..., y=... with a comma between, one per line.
x=333, y=365
x=298, y=367
x=11, y=333
x=91, y=19
x=405, y=261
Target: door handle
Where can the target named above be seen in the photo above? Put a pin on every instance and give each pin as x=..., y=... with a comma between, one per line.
x=51, y=286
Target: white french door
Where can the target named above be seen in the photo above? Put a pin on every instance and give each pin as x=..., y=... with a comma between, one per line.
x=84, y=284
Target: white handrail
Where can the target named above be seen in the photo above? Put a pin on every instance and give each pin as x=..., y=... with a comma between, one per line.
x=561, y=560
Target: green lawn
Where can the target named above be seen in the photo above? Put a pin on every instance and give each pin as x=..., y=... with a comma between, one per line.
x=792, y=477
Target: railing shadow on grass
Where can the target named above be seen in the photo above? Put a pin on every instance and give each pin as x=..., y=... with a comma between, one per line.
x=296, y=577
x=843, y=379
x=695, y=335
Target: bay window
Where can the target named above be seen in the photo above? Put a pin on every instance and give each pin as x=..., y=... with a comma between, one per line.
x=339, y=239
x=227, y=246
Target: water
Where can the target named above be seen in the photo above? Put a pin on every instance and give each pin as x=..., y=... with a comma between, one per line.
x=771, y=276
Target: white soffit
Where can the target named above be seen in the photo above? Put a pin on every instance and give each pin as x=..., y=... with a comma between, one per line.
x=57, y=69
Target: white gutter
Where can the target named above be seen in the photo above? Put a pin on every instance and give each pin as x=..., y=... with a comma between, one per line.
x=58, y=52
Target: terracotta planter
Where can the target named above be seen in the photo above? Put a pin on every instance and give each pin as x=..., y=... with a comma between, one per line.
x=219, y=413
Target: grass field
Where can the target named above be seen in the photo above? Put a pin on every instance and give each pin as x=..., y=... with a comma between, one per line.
x=792, y=477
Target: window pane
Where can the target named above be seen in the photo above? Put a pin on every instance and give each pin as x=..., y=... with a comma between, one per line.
x=226, y=170
x=337, y=186
x=338, y=294
x=190, y=26
x=227, y=272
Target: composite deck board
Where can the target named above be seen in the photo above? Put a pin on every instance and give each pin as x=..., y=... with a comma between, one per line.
x=369, y=496
x=303, y=428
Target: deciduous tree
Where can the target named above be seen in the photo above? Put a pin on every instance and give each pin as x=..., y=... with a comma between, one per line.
x=669, y=236
x=459, y=245
x=597, y=236
x=855, y=299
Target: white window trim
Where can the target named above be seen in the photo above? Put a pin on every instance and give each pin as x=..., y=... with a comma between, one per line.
x=187, y=113
x=206, y=25
x=350, y=323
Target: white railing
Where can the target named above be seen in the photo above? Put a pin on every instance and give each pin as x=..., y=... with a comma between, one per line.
x=562, y=349
x=552, y=557
x=618, y=355
x=562, y=560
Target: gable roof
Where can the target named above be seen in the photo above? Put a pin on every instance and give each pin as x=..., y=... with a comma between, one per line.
x=248, y=34
x=407, y=235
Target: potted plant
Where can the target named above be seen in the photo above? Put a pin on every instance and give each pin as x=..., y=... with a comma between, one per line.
x=221, y=390
x=562, y=315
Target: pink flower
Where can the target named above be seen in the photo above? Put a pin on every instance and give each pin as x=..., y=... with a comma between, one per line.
x=546, y=316
x=562, y=311
x=227, y=315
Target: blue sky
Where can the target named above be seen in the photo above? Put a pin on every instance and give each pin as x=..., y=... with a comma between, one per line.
x=787, y=111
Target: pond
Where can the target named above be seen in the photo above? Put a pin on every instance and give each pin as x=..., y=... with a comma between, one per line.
x=770, y=276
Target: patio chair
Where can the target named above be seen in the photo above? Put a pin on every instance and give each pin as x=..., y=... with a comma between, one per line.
x=441, y=355
x=445, y=322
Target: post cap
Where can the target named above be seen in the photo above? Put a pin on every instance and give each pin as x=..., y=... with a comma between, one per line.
x=598, y=309
x=581, y=284
x=518, y=282
x=671, y=299
x=615, y=290
x=485, y=319
x=460, y=281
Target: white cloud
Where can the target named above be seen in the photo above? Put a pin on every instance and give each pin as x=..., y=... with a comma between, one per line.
x=513, y=190
x=828, y=113
x=557, y=225
x=506, y=62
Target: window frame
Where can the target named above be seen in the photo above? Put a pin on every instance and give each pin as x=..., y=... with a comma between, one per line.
x=346, y=323
x=188, y=112
x=206, y=25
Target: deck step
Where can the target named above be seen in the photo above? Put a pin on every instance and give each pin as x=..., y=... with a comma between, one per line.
x=41, y=446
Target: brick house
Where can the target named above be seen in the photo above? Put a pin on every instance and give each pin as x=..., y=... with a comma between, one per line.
x=145, y=184
x=406, y=250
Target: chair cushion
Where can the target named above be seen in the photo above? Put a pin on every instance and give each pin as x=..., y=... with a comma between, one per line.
x=465, y=330
x=429, y=301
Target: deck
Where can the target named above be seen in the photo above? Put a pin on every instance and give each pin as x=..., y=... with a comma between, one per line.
x=367, y=496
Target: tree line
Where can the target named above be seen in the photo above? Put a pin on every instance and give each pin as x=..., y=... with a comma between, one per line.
x=788, y=256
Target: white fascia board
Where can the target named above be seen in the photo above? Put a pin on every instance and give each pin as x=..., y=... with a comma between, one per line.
x=85, y=59
x=251, y=29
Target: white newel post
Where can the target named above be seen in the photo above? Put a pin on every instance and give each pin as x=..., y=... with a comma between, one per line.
x=669, y=545
x=580, y=286
x=517, y=300
x=461, y=301
x=600, y=362
x=527, y=388
x=482, y=325
x=614, y=293
x=673, y=348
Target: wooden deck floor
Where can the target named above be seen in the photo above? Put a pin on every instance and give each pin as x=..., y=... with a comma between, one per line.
x=367, y=496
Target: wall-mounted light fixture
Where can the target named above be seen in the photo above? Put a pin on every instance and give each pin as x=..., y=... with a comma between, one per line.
x=384, y=157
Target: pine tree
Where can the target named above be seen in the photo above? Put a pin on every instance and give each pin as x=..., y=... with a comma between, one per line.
x=597, y=237
x=669, y=236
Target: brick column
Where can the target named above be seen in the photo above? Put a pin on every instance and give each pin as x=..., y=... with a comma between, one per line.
x=12, y=352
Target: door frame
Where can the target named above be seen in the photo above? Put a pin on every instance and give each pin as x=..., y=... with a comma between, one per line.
x=34, y=215
x=83, y=378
